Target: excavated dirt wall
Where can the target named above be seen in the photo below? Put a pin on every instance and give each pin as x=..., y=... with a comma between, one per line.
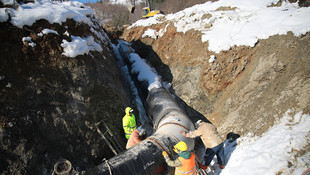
x=49, y=103
x=244, y=90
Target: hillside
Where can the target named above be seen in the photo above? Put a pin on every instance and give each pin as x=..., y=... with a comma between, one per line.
x=58, y=77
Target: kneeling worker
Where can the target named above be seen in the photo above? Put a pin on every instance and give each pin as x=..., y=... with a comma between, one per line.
x=185, y=163
x=136, y=137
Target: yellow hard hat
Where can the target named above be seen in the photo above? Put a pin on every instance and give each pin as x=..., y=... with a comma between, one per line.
x=181, y=146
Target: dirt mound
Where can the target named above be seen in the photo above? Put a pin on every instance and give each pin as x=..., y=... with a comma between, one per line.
x=47, y=99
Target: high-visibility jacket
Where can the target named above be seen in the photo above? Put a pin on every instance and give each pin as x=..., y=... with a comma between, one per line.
x=129, y=123
x=188, y=166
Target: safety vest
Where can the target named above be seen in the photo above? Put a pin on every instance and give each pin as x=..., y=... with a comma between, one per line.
x=129, y=123
x=188, y=166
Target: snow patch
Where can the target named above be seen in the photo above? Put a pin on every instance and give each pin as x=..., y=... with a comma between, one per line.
x=154, y=34
x=144, y=71
x=47, y=31
x=270, y=153
x=4, y=16
x=80, y=46
x=212, y=59
x=52, y=11
x=28, y=40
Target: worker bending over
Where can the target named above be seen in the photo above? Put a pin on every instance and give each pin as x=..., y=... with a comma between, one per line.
x=136, y=137
x=129, y=122
x=212, y=141
x=185, y=163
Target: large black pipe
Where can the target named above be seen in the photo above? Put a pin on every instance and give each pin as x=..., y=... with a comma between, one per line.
x=167, y=118
x=144, y=158
x=142, y=86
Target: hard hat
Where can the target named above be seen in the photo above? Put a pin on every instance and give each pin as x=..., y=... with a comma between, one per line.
x=181, y=146
x=128, y=109
x=141, y=130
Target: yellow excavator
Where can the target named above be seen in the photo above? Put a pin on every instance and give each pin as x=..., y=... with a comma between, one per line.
x=146, y=11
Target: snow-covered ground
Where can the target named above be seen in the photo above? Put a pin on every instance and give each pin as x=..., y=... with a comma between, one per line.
x=242, y=23
x=226, y=23
x=273, y=152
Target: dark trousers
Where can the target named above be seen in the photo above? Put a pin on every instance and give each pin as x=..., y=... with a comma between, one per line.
x=211, y=152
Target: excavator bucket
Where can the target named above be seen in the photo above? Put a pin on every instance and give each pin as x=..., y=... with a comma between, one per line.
x=131, y=8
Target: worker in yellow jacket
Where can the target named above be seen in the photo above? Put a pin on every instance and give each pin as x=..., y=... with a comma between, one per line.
x=129, y=122
x=185, y=163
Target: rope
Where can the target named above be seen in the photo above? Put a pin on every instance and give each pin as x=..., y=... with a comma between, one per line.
x=107, y=162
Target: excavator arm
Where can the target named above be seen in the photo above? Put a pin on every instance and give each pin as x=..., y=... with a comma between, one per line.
x=146, y=11
x=131, y=7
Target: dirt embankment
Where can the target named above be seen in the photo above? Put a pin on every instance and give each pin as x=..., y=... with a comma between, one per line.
x=48, y=100
x=244, y=90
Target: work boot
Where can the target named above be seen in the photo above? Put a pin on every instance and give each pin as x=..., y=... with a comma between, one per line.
x=204, y=167
x=222, y=166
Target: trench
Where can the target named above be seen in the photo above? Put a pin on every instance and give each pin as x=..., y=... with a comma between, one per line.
x=162, y=115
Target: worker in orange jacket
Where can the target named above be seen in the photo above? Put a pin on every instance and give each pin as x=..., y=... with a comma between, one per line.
x=185, y=163
x=136, y=137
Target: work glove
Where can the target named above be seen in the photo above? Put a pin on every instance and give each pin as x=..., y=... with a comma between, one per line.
x=165, y=153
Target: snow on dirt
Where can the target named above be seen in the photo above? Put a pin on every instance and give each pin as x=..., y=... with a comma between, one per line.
x=272, y=152
x=57, y=12
x=226, y=23
x=80, y=46
x=52, y=11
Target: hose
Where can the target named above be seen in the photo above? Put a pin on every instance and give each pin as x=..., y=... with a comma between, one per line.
x=62, y=167
x=107, y=162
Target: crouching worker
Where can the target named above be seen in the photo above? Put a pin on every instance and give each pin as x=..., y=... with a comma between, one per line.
x=185, y=163
x=136, y=137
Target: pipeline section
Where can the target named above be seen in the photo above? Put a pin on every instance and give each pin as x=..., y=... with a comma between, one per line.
x=167, y=119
